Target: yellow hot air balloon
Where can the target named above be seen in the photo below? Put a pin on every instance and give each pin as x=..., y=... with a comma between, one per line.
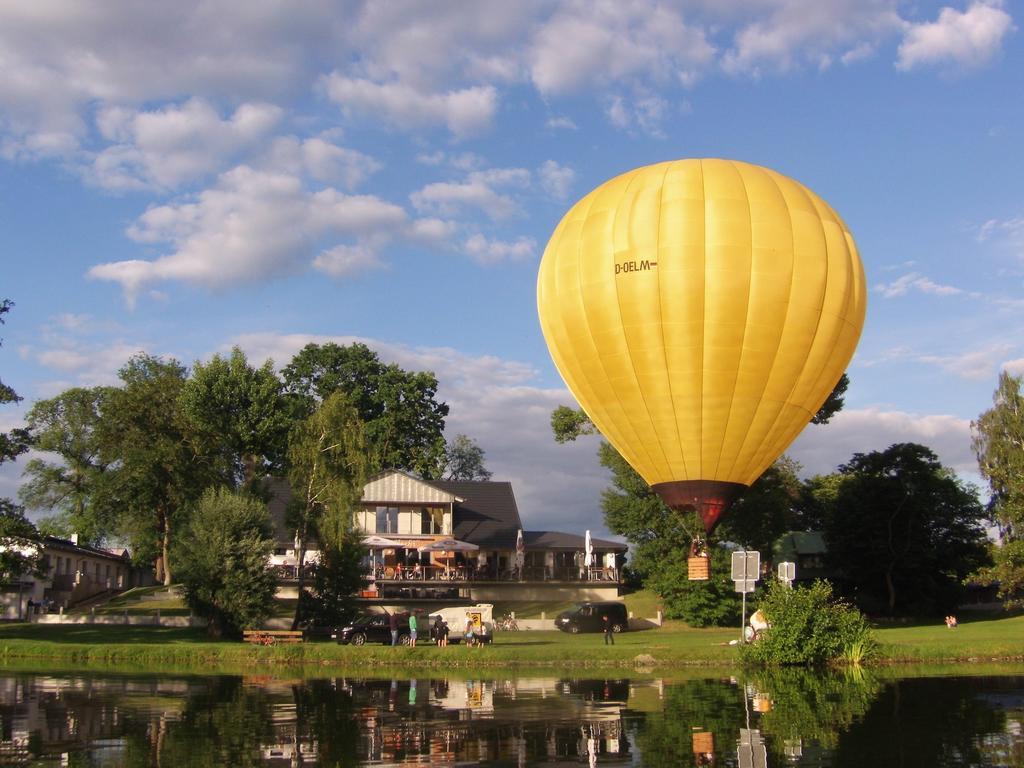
x=701, y=311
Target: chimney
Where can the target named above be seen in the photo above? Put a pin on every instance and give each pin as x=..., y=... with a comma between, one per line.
x=74, y=539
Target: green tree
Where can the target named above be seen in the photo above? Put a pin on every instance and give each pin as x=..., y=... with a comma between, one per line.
x=403, y=421
x=464, y=460
x=904, y=532
x=660, y=544
x=241, y=412
x=19, y=540
x=20, y=549
x=223, y=558
x=66, y=426
x=327, y=471
x=15, y=442
x=157, y=464
x=998, y=441
x=766, y=510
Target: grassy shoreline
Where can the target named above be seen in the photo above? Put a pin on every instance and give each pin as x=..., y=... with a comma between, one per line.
x=672, y=647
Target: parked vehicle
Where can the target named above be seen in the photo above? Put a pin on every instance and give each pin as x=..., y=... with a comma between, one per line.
x=589, y=617
x=373, y=628
x=456, y=616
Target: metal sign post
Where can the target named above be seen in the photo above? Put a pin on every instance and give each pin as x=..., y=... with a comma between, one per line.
x=746, y=568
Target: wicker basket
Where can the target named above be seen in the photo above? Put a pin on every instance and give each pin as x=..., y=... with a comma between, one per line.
x=762, y=703
x=698, y=568
x=703, y=742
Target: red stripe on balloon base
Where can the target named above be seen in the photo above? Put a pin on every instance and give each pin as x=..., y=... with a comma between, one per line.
x=708, y=498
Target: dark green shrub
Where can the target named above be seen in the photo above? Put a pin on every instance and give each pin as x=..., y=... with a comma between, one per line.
x=809, y=626
x=712, y=603
x=223, y=560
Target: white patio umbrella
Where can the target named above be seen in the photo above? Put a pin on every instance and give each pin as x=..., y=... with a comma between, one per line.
x=447, y=545
x=373, y=543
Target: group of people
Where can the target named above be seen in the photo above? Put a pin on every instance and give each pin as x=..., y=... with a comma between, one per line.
x=951, y=621
x=439, y=630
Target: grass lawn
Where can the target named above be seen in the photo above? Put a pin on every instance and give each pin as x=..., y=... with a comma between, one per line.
x=674, y=646
x=980, y=638
x=142, y=601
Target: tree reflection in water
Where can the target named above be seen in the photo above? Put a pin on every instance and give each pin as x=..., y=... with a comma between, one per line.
x=801, y=718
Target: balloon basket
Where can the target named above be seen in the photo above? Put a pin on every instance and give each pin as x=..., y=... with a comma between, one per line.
x=762, y=703
x=698, y=568
x=703, y=742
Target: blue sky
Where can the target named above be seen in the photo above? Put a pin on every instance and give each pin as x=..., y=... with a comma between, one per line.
x=179, y=178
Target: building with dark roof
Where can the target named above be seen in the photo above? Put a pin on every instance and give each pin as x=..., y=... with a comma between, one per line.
x=71, y=573
x=492, y=557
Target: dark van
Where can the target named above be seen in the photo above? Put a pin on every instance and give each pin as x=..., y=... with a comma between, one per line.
x=589, y=617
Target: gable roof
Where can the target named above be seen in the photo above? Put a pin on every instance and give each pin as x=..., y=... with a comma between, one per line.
x=398, y=487
x=486, y=514
x=793, y=543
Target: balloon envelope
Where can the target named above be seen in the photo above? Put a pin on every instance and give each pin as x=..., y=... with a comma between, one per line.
x=701, y=311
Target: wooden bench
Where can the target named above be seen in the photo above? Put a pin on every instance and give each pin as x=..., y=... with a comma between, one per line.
x=271, y=636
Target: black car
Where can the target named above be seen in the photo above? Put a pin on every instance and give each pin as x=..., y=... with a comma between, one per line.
x=589, y=617
x=375, y=628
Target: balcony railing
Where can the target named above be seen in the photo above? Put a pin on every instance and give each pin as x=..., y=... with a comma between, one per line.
x=434, y=573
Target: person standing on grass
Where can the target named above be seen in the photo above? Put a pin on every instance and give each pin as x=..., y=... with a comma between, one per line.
x=393, y=626
x=609, y=634
x=412, y=629
x=440, y=632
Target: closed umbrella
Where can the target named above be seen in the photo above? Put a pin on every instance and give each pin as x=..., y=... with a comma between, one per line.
x=588, y=555
x=520, y=553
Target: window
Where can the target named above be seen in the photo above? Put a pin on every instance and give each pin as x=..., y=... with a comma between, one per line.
x=431, y=520
x=387, y=519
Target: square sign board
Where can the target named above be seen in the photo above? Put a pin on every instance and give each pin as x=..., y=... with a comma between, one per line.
x=746, y=566
x=745, y=586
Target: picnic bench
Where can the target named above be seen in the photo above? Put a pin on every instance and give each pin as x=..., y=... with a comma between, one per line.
x=271, y=636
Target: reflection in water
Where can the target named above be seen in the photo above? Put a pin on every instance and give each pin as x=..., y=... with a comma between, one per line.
x=779, y=718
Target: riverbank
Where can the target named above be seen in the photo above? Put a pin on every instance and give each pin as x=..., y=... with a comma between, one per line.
x=673, y=646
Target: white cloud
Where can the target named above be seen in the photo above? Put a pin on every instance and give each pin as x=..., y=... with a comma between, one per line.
x=167, y=147
x=320, y=159
x=977, y=364
x=969, y=38
x=822, y=448
x=556, y=179
x=562, y=123
x=464, y=112
x=917, y=282
x=643, y=114
x=82, y=363
x=252, y=225
x=347, y=260
x=62, y=58
x=462, y=161
x=810, y=31
x=477, y=191
x=487, y=251
x=586, y=44
x=1014, y=367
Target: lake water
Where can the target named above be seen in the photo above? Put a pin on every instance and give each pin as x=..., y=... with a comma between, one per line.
x=767, y=719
